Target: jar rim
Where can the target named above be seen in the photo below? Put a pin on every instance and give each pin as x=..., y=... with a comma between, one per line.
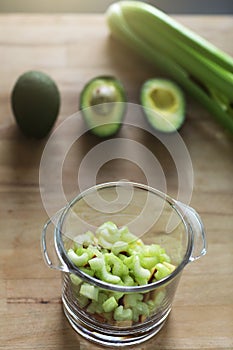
x=62, y=253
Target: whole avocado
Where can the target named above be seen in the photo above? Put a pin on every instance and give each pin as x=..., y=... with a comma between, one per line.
x=35, y=102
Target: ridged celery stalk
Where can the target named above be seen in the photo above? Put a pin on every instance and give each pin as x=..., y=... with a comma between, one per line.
x=201, y=68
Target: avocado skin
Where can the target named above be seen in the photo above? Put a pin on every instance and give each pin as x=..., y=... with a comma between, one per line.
x=35, y=102
x=160, y=118
x=105, y=127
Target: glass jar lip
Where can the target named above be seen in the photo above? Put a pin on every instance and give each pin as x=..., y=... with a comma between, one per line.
x=62, y=254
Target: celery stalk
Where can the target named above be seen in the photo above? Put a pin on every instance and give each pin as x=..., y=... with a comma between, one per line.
x=122, y=31
x=175, y=30
x=195, y=64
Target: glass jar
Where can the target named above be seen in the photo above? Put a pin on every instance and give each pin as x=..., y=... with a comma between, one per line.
x=155, y=219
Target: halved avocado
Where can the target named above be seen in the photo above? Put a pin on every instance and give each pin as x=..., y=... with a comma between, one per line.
x=164, y=104
x=102, y=102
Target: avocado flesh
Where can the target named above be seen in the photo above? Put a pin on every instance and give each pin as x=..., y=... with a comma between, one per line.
x=164, y=104
x=100, y=105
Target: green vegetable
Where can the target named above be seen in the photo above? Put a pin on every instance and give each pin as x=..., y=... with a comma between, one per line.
x=121, y=314
x=131, y=300
x=78, y=260
x=141, y=274
x=110, y=304
x=99, y=102
x=165, y=104
x=202, y=69
x=35, y=101
x=89, y=291
x=115, y=255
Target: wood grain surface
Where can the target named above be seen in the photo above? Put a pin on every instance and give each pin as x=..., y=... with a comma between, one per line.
x=72, y=49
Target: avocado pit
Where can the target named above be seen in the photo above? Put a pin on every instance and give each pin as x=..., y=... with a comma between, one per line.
x=102, y=99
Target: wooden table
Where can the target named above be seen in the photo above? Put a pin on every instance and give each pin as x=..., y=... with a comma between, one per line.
x=73, y=49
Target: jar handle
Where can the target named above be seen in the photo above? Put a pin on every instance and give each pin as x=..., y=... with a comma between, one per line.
x=44, y=247
x=198, y=232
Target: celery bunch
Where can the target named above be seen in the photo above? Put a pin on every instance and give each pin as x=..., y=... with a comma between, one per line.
x=198, y=66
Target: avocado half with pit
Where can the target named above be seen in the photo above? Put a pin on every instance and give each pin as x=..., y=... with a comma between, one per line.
x=163, y=104
x=102, y=103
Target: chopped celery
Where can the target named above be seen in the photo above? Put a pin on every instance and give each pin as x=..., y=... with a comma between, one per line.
x=83, y=301
x=110, y=304
x=118, y=268
x=102, y=297
x=75, y=279
x=95, y=307
x=116, y=295
x=129, y=262
x=163, y=257
x=87, y=270
x=132, y=299
x=119, y=247
x=128, y=281
x=84, y=239
x=162, y=271
x=89, y=291
x=96, y=263
x=171, y=267
x=149, y=261
x=140, y=309
x=109, y=232
x=158, y=298
x=78, y=260
x=141, y=274
x=121, y=314
x=99, y=266
x=126, y=235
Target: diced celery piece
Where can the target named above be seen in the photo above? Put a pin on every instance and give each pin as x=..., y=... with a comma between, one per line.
x=132, y=299
x=76, y=259
x=153, y=250
x=108, y=232
x=75, y=279
x=116, y=295
x=151, y=305
x=129, y=261
x=83, y=301
x=164, y=257
x=96, y=264
x=85, y=239
x=140, y=309
x=116, y=264
x=100, y=268
x=108, y=277
x=93, y=251
x=89, y=291
x=109, y=225
x=127, y=236
x=95, y=307
x=104, y=243
x=110, y=304
x=79, y=250
x=87, y=270
x=119, y=247
x=171, y=267
x=148, y=262
x=121, y=314
x=128, y=280
x=102, y=297
x=141, y=275
x=158, y=298
x=162, y=271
